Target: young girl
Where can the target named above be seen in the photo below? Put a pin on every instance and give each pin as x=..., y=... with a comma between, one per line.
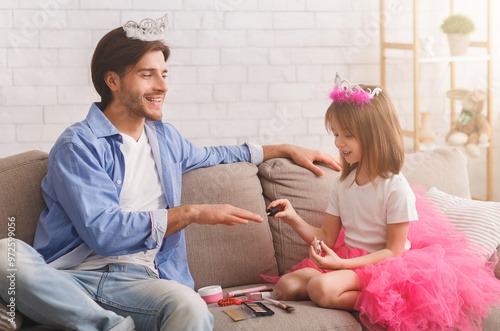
x=398, y=273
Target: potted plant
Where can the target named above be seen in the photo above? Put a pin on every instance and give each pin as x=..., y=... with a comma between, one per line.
x=458, y=28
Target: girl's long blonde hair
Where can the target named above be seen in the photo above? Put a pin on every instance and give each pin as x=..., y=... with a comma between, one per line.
x=376, y=126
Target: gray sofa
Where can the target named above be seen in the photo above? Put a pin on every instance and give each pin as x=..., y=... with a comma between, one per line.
x=234, y=257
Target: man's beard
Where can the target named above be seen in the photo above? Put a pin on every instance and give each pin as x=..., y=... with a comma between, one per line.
x=134, y=102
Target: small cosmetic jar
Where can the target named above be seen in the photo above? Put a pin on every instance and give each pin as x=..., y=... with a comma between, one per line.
x=211, y=294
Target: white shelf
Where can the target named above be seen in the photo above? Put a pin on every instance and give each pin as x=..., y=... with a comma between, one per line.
x=406, y=54
x=465, y=58
x=439, y=59
x=434, y=145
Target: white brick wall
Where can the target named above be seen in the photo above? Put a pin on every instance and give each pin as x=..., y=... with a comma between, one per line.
x=239, y=69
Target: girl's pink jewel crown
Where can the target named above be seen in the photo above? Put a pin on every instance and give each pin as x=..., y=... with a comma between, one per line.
x=351, y=93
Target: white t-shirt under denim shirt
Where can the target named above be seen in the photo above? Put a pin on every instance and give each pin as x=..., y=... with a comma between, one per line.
x=366, y=210
x=141, y=190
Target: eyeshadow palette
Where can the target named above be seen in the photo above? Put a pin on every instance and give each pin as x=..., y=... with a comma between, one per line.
x=257, y=308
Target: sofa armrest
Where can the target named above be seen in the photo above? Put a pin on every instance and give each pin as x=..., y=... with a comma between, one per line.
x=21, y=198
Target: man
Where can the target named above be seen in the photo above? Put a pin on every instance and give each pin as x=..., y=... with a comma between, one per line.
x=110, y=248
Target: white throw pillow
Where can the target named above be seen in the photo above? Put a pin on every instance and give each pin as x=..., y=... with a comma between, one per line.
x=479, y=219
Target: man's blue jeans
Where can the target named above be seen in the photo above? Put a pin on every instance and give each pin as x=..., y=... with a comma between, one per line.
x=115, y=297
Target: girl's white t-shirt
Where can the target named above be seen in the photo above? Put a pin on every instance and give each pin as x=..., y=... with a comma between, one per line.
x=366, y=210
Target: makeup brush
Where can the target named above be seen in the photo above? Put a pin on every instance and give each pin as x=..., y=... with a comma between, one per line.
x=282, y=305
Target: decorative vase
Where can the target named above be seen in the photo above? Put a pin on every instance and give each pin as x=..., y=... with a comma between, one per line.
x=458, y=43
x=427, y=135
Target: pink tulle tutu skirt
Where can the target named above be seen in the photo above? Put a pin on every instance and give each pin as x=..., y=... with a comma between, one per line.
x=439, y=284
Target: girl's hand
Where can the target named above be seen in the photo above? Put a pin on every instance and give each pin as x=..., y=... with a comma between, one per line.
x=330, y=260
x=286, y=212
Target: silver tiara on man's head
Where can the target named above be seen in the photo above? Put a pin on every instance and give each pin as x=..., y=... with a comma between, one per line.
x=148, y=29
x=351, y=93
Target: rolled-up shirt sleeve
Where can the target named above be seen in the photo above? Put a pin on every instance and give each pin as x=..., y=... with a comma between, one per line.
x=159, y=221
x=256, y=152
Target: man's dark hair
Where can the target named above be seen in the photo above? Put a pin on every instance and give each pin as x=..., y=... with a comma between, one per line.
x=116, y=52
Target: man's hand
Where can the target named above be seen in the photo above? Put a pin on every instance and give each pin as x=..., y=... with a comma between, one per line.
x=305, y=157
x=302, y=156
x=223, y=214
x=180, y=217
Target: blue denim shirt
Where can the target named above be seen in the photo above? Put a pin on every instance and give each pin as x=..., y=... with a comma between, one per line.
x=82, y=192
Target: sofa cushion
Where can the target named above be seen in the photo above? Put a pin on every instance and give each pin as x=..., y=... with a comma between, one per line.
x=228, y=255
x=444, y=168
x=308, y=193
x=21, y=176
x=492, y=322
x=307, y=316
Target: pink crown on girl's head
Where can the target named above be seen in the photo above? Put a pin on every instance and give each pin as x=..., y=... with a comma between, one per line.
x=351, y=93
